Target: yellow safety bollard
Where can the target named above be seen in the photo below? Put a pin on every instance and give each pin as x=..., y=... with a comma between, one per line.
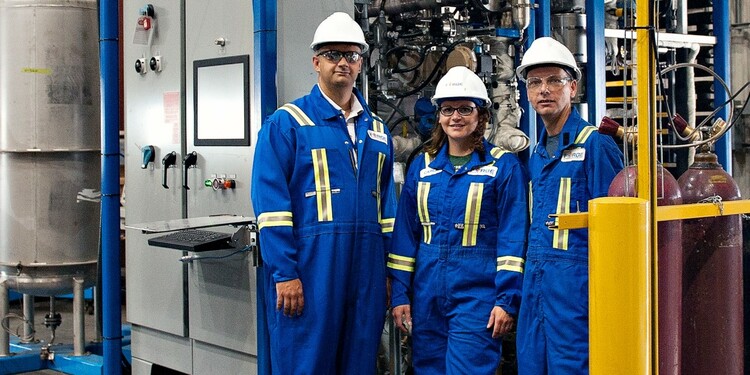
x=619, y=286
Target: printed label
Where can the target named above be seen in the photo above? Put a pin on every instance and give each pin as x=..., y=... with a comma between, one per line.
x=428, y=172
x=380, y=137
x=574, y=154
x=488, y=170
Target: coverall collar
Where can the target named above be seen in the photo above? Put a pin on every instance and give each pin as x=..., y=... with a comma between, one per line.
x=442, y=159
x=570, y=130
x=327, y=111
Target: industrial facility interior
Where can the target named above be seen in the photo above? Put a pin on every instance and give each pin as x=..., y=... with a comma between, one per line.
x=124, y=124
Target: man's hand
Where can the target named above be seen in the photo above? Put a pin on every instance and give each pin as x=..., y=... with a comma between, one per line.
x=289, y=297
x=500, y=322
x=402, y=317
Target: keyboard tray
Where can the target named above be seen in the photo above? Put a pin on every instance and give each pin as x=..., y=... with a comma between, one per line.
x=193, y=240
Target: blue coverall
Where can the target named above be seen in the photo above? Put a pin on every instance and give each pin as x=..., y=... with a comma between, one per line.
x=553, y=331
x=458, y=247
x=325, y=209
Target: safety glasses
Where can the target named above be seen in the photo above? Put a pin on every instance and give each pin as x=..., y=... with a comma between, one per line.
x=335, y=56
x=553, y=83
x=463, y=111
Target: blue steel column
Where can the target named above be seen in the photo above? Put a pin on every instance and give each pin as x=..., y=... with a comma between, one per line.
x=265, y=68
x=109, y=63
x=543, y=22
x=595, y=72
x=721, y=67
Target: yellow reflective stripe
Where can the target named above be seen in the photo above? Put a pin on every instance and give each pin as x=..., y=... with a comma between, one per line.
x=298, y=115
x=275, y=219
x=471, y=216
x=585, y=133
x=381, y=162
x=378, y=126
x=560, y=237
x=510, y=263
x=531, y=203
x=402, y=263
x=427, y=159
x=322, y=184
x=386, y=225
x=497, y=152
x=423, y=191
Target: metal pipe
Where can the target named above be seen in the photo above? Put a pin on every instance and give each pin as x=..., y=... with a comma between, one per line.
x=98, y=313
x=109, y=63
x=4, y=309
x=51, y=320
x=395, y=348
x=682, y=17
x=28, y=314
x=397, y=7
x=79, y=329
x=265, y=67
x=364, y=84
x=529, y=123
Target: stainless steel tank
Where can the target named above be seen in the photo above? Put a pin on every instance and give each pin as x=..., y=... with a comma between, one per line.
x=570, y=30
x=49, y=144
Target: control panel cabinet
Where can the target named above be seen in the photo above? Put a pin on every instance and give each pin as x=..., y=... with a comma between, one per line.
x=188, y=153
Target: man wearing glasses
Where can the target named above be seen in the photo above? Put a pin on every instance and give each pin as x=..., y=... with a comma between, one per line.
x=323, y=195
x=571, y=164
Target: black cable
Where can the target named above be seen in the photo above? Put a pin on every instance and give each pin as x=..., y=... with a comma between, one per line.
x=414, y=154
x=422, y=56
x=387, y=102
x=742, y=110
x=393, y=113
x=398, y=110
x=666, y=96
x=396, y=122
x=429, y=78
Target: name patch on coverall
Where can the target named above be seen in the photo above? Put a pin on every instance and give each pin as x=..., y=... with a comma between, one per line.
x=428, y=172
x=574, y=154
x=380, y=137
x=484, y=171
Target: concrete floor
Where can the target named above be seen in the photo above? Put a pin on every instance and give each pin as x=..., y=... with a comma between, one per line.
x=63, y=333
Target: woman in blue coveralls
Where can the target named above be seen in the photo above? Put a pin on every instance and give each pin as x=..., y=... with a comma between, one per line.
x=456, y=262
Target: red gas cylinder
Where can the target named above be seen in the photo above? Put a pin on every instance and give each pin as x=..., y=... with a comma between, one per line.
x=712, y=284
x=670, y=263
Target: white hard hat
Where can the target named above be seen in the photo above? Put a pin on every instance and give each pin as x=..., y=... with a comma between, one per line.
x=461, y=82
x=339, y=28
x=547, y=51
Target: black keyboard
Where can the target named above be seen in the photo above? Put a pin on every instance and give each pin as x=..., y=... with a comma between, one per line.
x=193, y=240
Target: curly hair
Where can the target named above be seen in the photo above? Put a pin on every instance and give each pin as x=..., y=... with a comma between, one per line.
x=438, y=137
